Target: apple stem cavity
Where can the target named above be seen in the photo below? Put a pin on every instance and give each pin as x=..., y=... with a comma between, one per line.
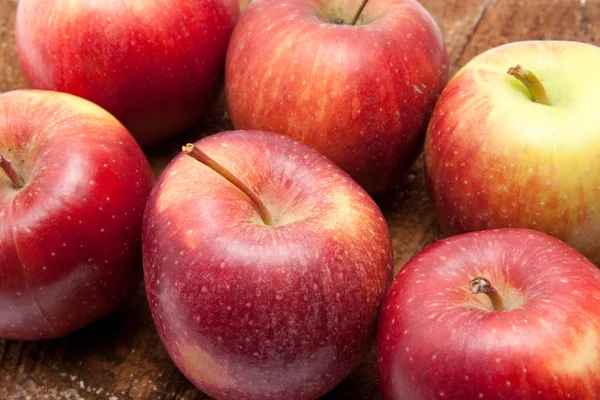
x=358, y=12
x=6, y=165
x=482, y=285
x=532, y=83
x=201, y=156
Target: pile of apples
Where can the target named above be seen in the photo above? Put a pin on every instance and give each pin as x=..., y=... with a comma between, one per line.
x=268, y=266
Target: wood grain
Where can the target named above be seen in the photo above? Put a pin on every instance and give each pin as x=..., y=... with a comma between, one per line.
x=121, y=356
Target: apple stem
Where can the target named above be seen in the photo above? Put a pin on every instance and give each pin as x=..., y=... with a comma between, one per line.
x=201, y=156
x=482, y=285
x=358, y=12
x=532, y=83
x=6, y=165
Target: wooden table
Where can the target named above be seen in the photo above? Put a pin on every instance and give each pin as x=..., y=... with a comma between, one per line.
x=121, y=356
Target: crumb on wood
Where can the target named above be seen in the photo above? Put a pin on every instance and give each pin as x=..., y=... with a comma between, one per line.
x=31, y=391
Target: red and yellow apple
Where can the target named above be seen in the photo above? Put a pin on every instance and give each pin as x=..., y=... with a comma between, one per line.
x=73, y=187
x=271, y=291
x=501, y=314
x=497, y=156
x=360, y=94
x=157, y=65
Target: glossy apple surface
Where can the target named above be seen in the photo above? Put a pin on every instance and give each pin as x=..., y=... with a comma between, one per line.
x=494, y=158
x=361, y=95
x=157, y=65
x=255, y=311
x=70, y=248
x=436, y=339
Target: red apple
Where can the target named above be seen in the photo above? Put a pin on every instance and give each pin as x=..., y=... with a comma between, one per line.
x=496, y=156
x=360, y=94
x=528, y=329
x=270, y=292
x=73, y=186
x=157, y=65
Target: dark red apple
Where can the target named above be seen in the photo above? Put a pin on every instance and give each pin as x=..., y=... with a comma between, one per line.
x=360, y=94
x=500, y=314
x=271, y=291
x=73, y=186
x=157, y=65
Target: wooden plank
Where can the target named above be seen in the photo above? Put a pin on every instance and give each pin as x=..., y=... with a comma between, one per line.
x=10, y=72
x=121, y=356
x=457, y=20
x=510, y=21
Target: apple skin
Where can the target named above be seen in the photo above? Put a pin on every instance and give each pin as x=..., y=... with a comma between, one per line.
x=495, y=159
x=361, y=95
x=156, y=65
x=252, y=311
x=70, y=248
x=438, y=340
